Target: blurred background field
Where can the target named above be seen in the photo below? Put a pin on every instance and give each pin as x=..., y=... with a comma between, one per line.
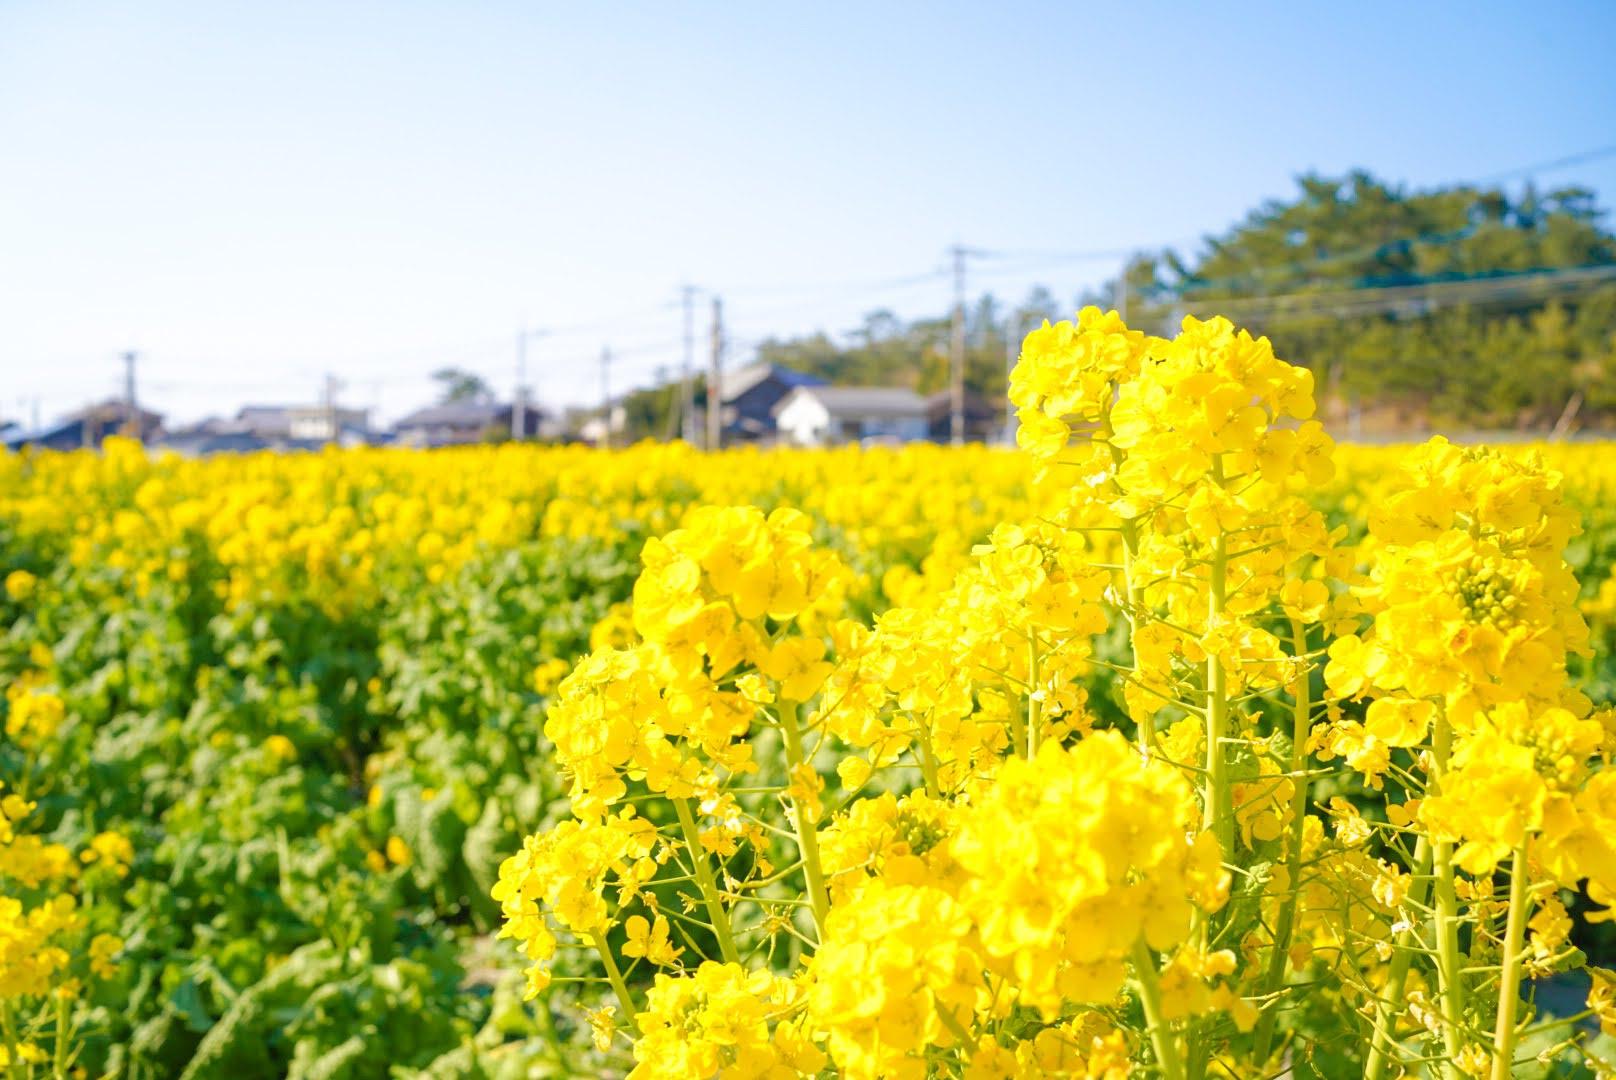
x=308, y=690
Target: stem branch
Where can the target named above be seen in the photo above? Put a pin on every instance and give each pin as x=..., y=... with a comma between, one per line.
x=705, y=882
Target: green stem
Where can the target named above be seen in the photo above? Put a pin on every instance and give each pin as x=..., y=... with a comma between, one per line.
x=1217, y=818
x=955, y=1028
x=1130, y=550
x=616, y=976
x=1161, y=1036
x=1391, y=999
x=807, y=829
x=1301, y=716
x=1509, y=994
x=8, y=1026
x=705, y=882
x=1035, y=706
x=64, y=1018
x=1445, y=920
x=1018, y=725
x=928, y=763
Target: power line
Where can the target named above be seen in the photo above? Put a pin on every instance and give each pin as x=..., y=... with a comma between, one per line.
x=1580, y=158
x=1529, y=285
x=841, y=286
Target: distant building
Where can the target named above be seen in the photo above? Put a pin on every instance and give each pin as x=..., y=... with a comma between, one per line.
x=273, y=427
x=196, y=442
x=598, y=429
x=459, y=422
x=984, y=419
x=264, y=421
x=749, y=396
x=90, y=426
x=832, y=415
x=303, y=422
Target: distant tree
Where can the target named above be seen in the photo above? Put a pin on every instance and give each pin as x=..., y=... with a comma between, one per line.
x=457, y=385
x=1512, y=359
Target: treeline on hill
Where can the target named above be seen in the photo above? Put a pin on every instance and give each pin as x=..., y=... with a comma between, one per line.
x=1460, y=307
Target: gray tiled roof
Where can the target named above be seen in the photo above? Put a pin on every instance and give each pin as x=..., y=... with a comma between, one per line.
x=462, y=414
x=737, y=382
x=864, y=400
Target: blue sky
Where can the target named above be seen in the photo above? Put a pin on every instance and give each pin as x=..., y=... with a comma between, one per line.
x=256, y=194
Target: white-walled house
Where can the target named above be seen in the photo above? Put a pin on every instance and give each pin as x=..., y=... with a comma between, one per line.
x=831, y=415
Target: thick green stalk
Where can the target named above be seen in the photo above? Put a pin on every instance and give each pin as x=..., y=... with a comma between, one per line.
x=615, y=976
x=1509, y=994
x=1391, y=997
x=1216, y=798
x=807, y=829
x=1035, y=705
x=1130, y=549
x=64, y=1023
x=1217, y=817
x=1445, y=920
x=928, y=764
x=1161, y=1036
x=8, y=1026
x=705, y=882
x=1285, y=926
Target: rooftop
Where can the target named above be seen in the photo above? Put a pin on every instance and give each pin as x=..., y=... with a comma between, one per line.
x=862, y=400
x=462, y=414
x=737, y=382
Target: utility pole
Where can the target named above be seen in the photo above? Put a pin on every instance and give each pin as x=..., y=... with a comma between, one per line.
x=687, y=395
x=131, y=412
x=715, y=371
x=956, y=384
x=519, y=399
x=1122, y=291
x=605, y=397
x=667, y=391
x=1012, y=349
x=328, y=403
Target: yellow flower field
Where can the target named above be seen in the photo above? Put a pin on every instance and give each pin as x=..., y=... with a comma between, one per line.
x=1179, y=741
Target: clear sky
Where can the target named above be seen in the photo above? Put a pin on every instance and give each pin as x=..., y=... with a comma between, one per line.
x=255, y=194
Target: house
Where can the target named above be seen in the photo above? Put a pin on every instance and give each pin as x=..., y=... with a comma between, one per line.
x=311, y=422
x=456, y=423
x=984, y=419
x=601, y=430
x=199, y=442
x=830, y=415
x=748, y=397
x=89, y=427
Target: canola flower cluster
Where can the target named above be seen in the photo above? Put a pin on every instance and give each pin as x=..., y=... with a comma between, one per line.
x=1499, y=759
x=52, y=944
x=49, y=947
x=1166, y=777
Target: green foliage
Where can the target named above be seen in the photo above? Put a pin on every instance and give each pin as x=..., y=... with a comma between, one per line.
x=457, y=385
x=261, y=758
x=1486, y=357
